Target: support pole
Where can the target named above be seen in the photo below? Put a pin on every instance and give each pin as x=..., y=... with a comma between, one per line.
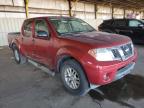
x=70, y=8
x=26, y=8
x=13, y=2
x=112, y=14
x=124, y=14
x=95, y=9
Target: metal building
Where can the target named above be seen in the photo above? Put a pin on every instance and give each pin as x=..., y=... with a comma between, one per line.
x=13, y=12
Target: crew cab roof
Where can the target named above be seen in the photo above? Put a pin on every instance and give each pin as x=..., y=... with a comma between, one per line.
x=50, y=17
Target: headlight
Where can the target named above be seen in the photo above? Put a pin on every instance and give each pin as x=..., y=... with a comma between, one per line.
x=102, y=54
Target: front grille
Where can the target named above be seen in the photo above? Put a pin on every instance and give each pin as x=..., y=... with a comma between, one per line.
x=115, y=53
x=124, y=51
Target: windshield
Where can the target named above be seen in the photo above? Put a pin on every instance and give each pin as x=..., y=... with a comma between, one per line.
x=70, y=25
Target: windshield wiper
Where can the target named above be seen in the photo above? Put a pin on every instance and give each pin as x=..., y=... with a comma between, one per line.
x=68, y=33
x=72, y=32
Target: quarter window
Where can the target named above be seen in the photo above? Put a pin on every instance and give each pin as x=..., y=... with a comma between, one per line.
x=134, y=23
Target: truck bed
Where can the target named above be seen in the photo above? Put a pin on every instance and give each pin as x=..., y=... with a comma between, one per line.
x=12, y=36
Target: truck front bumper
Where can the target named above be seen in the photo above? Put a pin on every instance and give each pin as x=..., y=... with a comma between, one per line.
x=120, y=74
x=124, y=71
x=100, y=73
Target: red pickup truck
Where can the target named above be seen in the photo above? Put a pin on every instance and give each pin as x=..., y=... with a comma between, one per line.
x=85, y=58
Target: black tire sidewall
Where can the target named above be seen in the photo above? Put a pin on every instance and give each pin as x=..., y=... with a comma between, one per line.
x=84, y=86
x=17, y=61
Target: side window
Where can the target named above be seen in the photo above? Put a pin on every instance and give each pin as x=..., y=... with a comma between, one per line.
x=41, y=28
x=134, y=23
x=119, y=23
x=27, y=29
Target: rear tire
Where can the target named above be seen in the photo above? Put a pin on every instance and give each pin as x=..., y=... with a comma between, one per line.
x=73, y=78
x=19, y=58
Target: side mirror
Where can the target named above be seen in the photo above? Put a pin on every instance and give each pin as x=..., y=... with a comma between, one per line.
x=42, y=34
x=141, y=25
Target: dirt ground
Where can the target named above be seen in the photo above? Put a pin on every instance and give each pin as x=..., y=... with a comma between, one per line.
x=25, y=86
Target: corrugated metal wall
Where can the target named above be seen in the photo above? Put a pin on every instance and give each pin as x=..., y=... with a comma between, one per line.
x=9, y=25
x=11, y=18
x=12, y=13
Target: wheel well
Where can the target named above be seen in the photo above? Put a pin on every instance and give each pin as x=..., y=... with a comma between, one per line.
x=65, y=58
x=62, y=60
x=13, y=45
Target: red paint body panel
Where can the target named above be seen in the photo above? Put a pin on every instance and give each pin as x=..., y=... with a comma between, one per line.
x=96, y=70
x=48, y=51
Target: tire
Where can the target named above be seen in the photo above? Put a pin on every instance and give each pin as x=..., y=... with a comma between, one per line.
x=73, y=78
x=19, y=58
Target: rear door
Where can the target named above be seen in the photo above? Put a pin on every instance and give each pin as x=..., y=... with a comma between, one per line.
x=120, y=27
x=27, y=38
x=43, y=42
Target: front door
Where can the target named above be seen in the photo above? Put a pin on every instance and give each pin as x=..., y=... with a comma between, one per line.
x=137, y=34
x=43, y=42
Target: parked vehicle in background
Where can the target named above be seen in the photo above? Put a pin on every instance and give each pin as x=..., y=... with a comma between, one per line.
x=84, y=57
x=129, y=27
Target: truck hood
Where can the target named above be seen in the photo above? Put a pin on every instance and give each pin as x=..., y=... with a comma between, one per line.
x=99, y=38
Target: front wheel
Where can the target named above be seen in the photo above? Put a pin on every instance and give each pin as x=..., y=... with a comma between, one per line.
x=19, y=58
x=73, y=78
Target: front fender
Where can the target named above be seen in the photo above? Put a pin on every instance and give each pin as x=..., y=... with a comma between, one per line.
x=70, y=52
x=76, y=53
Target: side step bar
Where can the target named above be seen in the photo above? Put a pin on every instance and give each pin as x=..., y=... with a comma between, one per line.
x=45, y=69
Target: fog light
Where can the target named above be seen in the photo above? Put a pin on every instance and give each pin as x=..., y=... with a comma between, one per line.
x=106, y=77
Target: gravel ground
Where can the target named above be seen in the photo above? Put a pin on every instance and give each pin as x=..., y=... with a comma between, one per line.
x=25, y=86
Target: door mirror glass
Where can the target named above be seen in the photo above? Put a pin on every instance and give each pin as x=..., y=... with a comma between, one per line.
x=42, y=34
